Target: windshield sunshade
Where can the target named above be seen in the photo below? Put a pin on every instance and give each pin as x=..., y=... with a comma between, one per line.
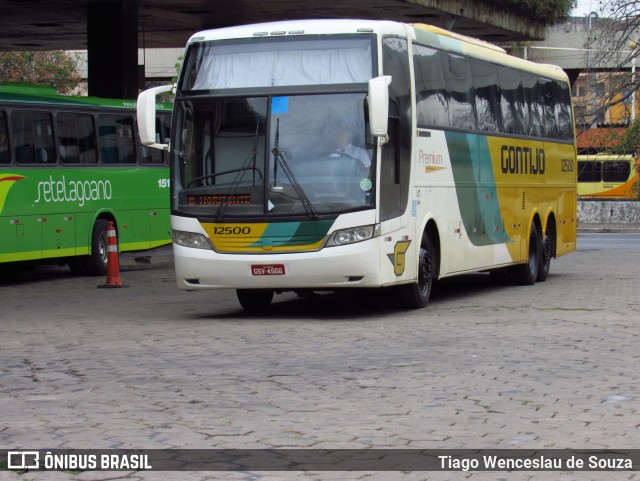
x=283, y=62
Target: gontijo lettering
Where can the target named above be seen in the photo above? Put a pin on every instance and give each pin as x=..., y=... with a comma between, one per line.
x=522, y=160
x=73, y=191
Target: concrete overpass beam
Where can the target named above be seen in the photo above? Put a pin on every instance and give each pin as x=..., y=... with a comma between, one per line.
x=483, y=12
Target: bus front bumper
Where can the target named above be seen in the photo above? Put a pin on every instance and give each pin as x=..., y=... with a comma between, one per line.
x=354, y=265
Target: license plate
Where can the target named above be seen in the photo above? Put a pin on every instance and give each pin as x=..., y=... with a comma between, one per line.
x=267, y=269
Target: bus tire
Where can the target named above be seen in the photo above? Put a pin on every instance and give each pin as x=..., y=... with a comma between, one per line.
x=416, y=295
x=527, y=273
x=94, y=264
x=547, y=250
x=254, y=300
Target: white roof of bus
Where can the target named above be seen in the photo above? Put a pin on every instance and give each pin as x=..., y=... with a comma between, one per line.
x=459, y=43
x=299, y=27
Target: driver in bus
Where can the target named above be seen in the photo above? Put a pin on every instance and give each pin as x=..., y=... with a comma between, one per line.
x=344, y=147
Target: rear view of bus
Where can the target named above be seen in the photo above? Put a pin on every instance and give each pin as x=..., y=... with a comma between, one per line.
x=297, y=164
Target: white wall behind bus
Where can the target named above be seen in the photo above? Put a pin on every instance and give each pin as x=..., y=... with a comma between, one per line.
x=160, y=63
x=600, y=211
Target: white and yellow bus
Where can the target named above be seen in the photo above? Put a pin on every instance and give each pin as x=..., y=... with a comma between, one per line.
x=459, y=158
x=607, y=176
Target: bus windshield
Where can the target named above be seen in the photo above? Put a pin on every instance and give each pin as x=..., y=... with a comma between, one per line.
x=301, y=155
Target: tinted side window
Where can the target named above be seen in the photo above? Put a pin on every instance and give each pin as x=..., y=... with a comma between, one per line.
x=563, y=111
x=76, y=138
x=485, y=82
x=116, y=139
x=511, y=101
x=149, y=155
x=589, y=171
x=395, y=58
x=550, y=113
x=431, y=101
x=33, y=138
x=460, y=94
x=5, y=154
x=616, y=171
x=533, y=105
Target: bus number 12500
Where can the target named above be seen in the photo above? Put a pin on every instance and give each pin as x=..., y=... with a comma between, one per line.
x=231, y=230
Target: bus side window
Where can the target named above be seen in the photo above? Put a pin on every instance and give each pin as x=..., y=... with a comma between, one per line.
x=532, y=88
x=616, y=171
x=390, y=192
x=165, y=120
x=67, y=138
x=460, y=91
x=511, y=101
x=147, y=154
x=563, y=111
x=396, y=156
x=487, y=98
x=589, y=171
x=5, y=156
x=431, y=102
x=33, y=137
x=87, y=143
x=116, y=139
x=76, y=138
x=550, y=114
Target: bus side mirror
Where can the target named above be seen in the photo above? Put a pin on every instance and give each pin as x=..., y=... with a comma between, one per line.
x=379, y=107
x=147, y=116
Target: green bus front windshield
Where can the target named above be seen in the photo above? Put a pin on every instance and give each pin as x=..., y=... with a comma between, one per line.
x=289, y=142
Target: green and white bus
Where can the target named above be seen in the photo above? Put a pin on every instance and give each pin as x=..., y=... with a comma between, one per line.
x=459, y=158
x=68, y=166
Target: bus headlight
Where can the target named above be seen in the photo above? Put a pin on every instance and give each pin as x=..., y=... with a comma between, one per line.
x=350, y=236
x=190, y=239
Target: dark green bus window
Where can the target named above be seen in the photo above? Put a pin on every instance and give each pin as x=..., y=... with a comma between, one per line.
x=5, y=153
x=33, y=138
x=76, y=138
x=116, y=137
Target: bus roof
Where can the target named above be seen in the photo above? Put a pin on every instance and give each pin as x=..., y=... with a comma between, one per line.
x=424, y=33
x=44, y=94
x=300, y=27
x=474, y=47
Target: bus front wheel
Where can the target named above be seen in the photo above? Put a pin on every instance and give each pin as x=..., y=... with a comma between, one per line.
x=254, y=300
x=416, y=295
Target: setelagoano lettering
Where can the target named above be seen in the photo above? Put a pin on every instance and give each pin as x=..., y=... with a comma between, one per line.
x=79, y=191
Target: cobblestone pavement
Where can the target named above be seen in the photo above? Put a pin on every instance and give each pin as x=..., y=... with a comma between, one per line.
x=554, y=365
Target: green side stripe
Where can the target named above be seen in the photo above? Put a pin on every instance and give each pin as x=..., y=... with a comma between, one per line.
x=475, y=188
x=294, y=233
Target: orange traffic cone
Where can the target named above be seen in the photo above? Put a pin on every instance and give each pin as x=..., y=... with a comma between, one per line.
x=113, y=269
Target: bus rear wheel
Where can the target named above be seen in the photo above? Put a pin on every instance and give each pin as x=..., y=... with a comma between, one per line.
x=416, y=295
x=548, y=248
x=526, y=274
x=94, y=264
x=254, y=300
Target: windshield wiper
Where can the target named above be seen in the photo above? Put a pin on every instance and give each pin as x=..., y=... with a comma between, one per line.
x=278, y=157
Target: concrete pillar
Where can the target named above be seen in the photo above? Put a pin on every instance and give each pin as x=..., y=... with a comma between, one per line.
x=112, y=44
